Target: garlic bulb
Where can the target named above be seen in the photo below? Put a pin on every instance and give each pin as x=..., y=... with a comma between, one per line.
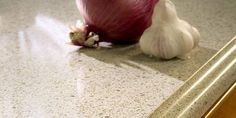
x=169, y=36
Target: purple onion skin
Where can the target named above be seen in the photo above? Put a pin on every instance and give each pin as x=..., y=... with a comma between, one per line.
x=117, y=21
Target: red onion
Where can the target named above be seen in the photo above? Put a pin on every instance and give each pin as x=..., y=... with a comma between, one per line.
x=116, y=21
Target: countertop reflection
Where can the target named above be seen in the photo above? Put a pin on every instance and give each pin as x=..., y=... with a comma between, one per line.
x=43, y=76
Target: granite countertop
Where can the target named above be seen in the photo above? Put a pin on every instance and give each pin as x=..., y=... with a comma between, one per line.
x=42, y=76
x=202, y=90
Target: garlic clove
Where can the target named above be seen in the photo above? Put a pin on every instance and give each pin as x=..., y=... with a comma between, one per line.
x=92, y=41
x=77, y=35
x=81, y=37
x=196, y=36
x=169, y=36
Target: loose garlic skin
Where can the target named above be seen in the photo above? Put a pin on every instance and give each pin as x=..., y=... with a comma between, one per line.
x=169, y=36
x=92, y=41
x=78, y=36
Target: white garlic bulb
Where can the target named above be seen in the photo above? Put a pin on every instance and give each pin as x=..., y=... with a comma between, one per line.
x=169, y=36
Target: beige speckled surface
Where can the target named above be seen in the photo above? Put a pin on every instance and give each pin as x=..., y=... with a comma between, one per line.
x=42, y=76
x=215, y=19
x=204, y=88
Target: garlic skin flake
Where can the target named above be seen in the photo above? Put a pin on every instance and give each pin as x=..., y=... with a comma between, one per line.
x=92, y=41
x=79, y=36
x=168, y=36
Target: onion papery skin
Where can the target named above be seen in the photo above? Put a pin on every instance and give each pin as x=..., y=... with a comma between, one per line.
x=117, y=21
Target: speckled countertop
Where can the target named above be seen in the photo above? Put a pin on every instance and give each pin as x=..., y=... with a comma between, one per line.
x=42, y=76
x=202, y=90
x=215, y=19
